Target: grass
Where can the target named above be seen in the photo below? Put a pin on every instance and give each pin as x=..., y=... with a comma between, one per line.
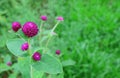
x=89, y=34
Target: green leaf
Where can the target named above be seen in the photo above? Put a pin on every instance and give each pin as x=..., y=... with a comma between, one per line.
x=2, y=41
x=7, y=58
x=4, y=67
x=44, y=38
x=48, y=64
x=15, y=46
x=37, y=74
x=13, y=75
x=35, y=48
x=23, y=66
x=68, y=62
x=56, y=76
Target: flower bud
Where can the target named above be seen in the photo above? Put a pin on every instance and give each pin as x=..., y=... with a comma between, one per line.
x=44, y=18
x=24, y=46
x=9, y=63
x=58, y=52
x=36, y=56
x=60, y=18
x=16, y=26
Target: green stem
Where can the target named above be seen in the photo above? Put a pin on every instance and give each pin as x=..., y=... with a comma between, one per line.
x=49, y=76
x=40, y=32
x=41, y=26
x=49, y=35
x=29, y=51
x=49, y=38
x=29, y=47
x=31, y=71
x=20, y=36
x=55, y=26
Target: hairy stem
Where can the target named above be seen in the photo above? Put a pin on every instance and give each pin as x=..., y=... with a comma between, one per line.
x=40, y=35
x=55, y=26
x=50, y=36
x=31, y=75
x=20, y=37
x=49, y=76
x=29, y=51
x=29, y=47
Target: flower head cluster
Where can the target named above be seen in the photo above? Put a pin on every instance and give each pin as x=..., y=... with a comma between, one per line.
x=31, y=29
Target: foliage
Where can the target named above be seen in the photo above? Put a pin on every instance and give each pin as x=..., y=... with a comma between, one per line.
x=89, y=34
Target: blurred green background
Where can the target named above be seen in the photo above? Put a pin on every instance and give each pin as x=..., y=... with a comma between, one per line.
x=89, y=34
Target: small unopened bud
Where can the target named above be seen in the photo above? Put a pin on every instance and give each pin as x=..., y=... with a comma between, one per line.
x=9, y=63
x=60, y=18
x=16, y=26
x=44, y=18
x=36, y=56
x=58, y=52
x=24, y=46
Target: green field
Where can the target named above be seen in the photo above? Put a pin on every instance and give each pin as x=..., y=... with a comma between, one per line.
x=89, y=34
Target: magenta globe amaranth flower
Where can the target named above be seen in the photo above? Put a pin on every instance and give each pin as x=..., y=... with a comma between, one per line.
x=44, y=18
x=60, y=18
x=36, y=56
x=9, y=63
x=24, y=46
x=58, y=52
x=16, y=26
x=30, y=29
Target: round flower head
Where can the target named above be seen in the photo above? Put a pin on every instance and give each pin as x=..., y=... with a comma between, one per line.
x=36, y=56
x=44, y=18
x=24, y=46
x=30, y=29
x=9, y=63
x=60, y=18
x=58, y=52
x=16, y=26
